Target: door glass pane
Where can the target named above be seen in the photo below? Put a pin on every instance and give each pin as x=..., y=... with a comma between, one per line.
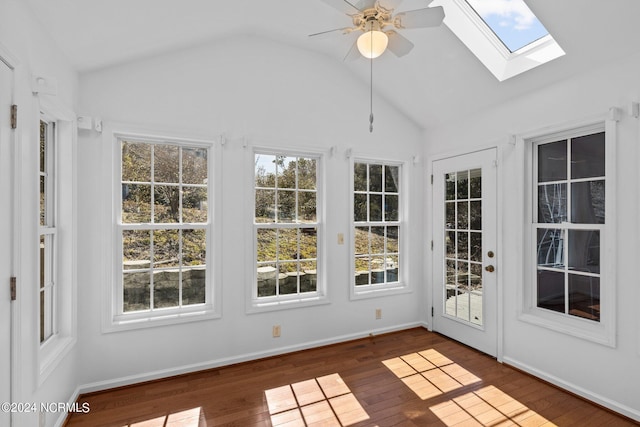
x=463, y=288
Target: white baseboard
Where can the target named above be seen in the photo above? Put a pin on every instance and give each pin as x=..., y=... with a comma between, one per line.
x=633, y=413
x=179, y=370
x=63, y=415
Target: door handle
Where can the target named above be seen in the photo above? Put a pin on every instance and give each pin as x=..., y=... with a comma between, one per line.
x=490, y=268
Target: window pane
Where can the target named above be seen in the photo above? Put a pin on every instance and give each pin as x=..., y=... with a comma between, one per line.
x=390, y=208
x=308, y=276
x=266, y=277
x=286, y=205
x=308, y=243
x=194, y=166
x=136, y=288
x=136, y=162
x=584, y=250
x=391, y=177
x=43, y=263
x=360, y=207
x=265, y=206
x=551, y=290
x=362, y=241
x=462, y=185
x=550, y=247
x=552, y=203
x=587, y=156
x=266, y=245
x=166, y=248
x=392, y=268
x=307, y=206
x=375, y=207
x=136, y=249
x=375, y=178
x=166, y=205
x=392, y=240
x=363, y=265
x=288, y=278
x=43, y=146
x=587, y=202
x=43, y=200
x=194, y=205
x=194, y=285
x=166, y=163
x=166, y=290
x=286, y=172
x=377, y=240
x=194, y=247
x=584, y=296
x=377, y=269
x=288, y=244
x=306, y=173
x=360, y=177
x=552, y=161
x=265, y=172
x=136, y=203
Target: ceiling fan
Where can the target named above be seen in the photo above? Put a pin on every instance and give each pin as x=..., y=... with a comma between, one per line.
x=376, y=25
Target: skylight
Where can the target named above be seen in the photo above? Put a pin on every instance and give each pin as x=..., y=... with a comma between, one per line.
x=504, y=35
x=511, y=20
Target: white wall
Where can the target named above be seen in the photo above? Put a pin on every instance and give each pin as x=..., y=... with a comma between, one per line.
x=607, y=375
x=274, y=95
x=33, y=52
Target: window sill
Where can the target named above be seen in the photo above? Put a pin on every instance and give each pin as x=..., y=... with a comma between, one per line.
x=375, y=291
x=174, y=317
x=596, y=332
x=52, y=352
x=261, y=306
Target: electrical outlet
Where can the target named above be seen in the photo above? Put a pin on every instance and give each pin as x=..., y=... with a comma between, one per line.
x=378, y=313
x=276, y=331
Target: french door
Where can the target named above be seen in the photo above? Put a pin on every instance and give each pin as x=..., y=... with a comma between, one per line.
x=6, y=167
x=464, y=249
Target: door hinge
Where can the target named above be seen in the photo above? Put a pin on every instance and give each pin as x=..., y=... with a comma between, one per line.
x=432, y=312
x=12, y=285
x=431, y=179
x=14, y=116
x=432, y=245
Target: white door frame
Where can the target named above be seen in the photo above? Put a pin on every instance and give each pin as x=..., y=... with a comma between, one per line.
x=7, y=60
x=499, y=146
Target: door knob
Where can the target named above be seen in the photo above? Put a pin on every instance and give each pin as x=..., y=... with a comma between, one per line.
x=490, y=268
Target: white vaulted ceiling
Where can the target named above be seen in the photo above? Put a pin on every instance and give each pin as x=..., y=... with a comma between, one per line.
x=436, y=82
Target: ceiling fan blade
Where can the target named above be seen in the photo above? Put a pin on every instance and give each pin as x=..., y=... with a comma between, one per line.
x=343, y=6
x=390, y=4
x=398, y=45
x=420, y=18
x=365, y=4
x=329, y=33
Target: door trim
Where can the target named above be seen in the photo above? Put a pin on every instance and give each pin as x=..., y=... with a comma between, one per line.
x=506, y=144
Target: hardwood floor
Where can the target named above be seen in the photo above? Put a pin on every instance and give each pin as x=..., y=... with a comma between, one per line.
x=407, y=378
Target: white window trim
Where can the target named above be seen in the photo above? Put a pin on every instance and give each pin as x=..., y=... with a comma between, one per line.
x=265, y=304
x=402, y=285
x=54, y=349
x=604, y=331
x=112, y=318
x=489, y=49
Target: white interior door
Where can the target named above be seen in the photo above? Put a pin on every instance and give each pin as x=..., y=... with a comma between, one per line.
x=464, y=249
x=5, y=238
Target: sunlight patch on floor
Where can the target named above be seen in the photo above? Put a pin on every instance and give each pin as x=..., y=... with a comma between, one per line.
x=488, y=407
x=323, y=401
x=429, y=373
x=188, y=418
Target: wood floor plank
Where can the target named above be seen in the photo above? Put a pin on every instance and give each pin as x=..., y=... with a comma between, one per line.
x=409, y=378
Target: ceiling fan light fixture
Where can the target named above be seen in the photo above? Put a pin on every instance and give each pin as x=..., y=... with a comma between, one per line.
x=372, y=43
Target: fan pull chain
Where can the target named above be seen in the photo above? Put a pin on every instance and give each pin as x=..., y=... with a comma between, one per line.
x=371, y=92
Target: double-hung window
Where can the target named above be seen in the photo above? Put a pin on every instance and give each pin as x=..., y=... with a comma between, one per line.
x=163, y=221
x=571, y=285
x=377, y=226
x=286, y=224
x=47, y=231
